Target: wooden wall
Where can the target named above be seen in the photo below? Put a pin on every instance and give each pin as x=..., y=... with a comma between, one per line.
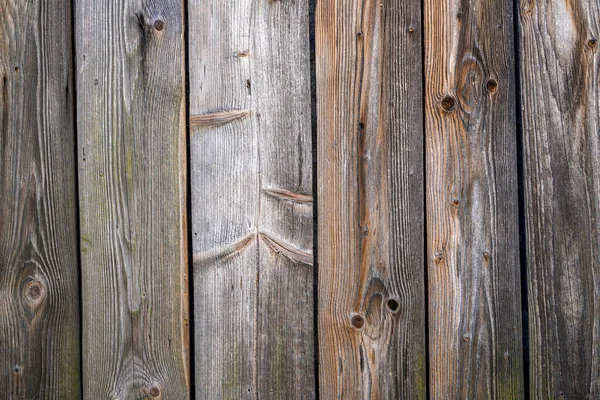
x=299, y=199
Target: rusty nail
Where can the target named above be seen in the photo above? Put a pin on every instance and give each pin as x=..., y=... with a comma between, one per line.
x=154, y=391
x=592, y=43
x=159, y=25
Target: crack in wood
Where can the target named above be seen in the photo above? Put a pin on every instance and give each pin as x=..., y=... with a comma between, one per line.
x=217, y=119
x=288, y=250
x=286, y=195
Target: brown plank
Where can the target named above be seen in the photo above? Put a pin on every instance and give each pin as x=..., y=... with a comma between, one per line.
x=560, y=75
x=370, y=197
x=39, y=289
x=251, y=178
x=131, y=149
x=472, y=206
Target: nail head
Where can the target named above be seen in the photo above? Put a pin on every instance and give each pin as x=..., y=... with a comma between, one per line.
x=159, y=25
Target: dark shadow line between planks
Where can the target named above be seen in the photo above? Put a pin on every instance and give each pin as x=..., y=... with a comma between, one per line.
x=425, y=265
x=188, y=198
x=73, y=84
x=521, y=195
x=312, y=6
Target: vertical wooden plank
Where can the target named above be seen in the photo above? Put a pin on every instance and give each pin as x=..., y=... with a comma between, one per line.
x=370, y=191
x=560, y=75
x=131, y=149
x=39, y=296
x=472, y=205
x=252, y=198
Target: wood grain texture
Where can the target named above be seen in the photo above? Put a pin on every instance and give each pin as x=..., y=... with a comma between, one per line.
x=251, y=178
x=475, y=339
x=370, y=191
x=39, y=300
x=131, y=153
x=560, y=75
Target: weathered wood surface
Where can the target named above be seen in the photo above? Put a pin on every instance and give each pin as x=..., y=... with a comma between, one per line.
x=370, y=197
x=560, y=76
x=252, y=218
x=475, y=339
x=39, y=300
x=131, y=153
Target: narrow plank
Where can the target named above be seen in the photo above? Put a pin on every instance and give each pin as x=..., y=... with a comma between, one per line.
x=560, y=75
x=131, y=153
x=370, y=192
x=251, y=176
x=39, y=284
x=472, y=206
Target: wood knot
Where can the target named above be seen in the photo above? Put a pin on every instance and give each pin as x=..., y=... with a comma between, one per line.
x=492, y=85
x=358, y=321
x=154, y=391
x=448, y=103
x=34, y=291
x=159, y=25
x=392, y=306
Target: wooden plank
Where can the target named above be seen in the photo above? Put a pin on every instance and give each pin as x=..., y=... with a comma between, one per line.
x=472, y=206
x=39, y=285
x=560, y=75
x=370, y=192
x=251, y=177
x=131, y=149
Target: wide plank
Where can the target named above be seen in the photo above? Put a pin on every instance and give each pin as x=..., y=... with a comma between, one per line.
x=252, y=215
x=475, y=339
x=39, y=284
x=371, y=301
x=560, y=76
x=132, y=155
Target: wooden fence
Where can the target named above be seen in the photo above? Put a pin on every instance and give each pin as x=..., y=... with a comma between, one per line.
x=169, y=172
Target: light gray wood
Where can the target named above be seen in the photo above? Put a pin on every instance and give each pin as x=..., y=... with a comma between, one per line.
x=251, y=198
x=131, y=149
x=560, y=76
x=39, y=288
x=370, y=197
x=475, y=337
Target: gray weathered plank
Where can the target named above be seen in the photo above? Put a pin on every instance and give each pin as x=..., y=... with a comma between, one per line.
x=131, y=153
x=472, y=206
x=39, y=300
x=251, y=178
x=370, y=192
x=560, y=75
